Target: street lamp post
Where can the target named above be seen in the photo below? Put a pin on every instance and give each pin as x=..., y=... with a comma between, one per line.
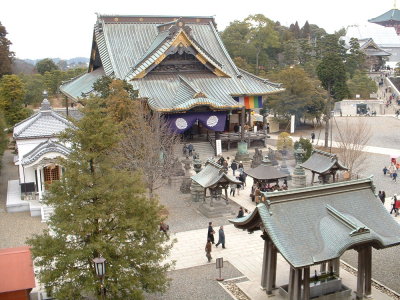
x=100, y=267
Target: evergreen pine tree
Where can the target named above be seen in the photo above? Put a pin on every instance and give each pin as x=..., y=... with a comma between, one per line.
x=100, y=211
x=6, y=55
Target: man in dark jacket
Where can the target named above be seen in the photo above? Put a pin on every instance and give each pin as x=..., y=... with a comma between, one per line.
x=221, y=237
x=234, y=167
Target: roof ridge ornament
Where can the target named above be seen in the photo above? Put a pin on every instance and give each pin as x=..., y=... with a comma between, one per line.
x=45, y=103
x=356, y=229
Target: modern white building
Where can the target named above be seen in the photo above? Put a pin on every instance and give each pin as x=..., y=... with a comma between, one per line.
x=38, y=150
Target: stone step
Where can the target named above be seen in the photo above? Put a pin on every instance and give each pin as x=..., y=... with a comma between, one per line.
x=47, y=211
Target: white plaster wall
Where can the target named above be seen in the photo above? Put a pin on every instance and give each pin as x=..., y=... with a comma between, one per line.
x=24, y=146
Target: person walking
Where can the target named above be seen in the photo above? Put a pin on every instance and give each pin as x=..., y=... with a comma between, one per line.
x=221, y=237
x=208, y=250
x=238, y=186
x=312, y=137
x=394, y=176
x=381, y=196
x=385, y=170
x=211, y=232
x=190, y=149
x=241, y=167
x=234, y=167
x=394, y=206
x=233, y=189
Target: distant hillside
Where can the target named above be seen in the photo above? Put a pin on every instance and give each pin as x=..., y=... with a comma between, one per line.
x=70, y=61
x=20, y=66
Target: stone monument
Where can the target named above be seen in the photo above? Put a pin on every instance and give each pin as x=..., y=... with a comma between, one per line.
x=272, y=157
x=257, y=158
x=186, y=182
x=299, y=175
x=196, y=190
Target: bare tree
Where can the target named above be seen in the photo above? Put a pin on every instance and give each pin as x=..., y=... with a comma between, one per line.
x=353, y=136
x=148, y=146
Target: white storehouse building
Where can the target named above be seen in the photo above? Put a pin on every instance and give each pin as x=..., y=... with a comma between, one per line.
x=37, y=151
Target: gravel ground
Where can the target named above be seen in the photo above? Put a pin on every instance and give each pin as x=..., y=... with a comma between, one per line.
x=198, y=283
x=15, y=228
x=183, y=213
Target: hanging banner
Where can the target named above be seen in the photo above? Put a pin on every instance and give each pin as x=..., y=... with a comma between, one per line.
x=215, y=121
x=250, y=101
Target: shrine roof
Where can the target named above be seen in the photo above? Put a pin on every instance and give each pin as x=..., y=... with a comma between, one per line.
x=42, y=149
x=82, y=85
x=392, y=15
x=130, y=47
x=45, y=123
x=212, y=174
x=316, y=224
x=265, y=172
x=370, y=48
x=321, y=162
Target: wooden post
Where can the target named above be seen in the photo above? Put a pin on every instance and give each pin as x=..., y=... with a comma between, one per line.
x=360, y=274
x=312, y=178
x=242, y=121
x=306, y=283
x=291, y=283
x=336, y=266
x=297, y=284
x=226, y=195
x=368, y=270
x=66, y=106
x=274, y=265
x=269, y=276
x=264, y=270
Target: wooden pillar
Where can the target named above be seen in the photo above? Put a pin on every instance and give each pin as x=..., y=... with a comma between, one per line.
x=330, y=266
x=360, y=274
x=322, y=267
x=291, y=284
x=66, y=106
x=226, y=195
x=368, y=270
x=264, y=270
x=297, y=283
x=270, y=275
x=312, y=178
x=336, y=266
x=274, y=265
x=306, y=283
x=242, y=121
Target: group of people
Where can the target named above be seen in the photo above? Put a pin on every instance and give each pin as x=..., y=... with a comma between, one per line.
x=391, y=171
x=259, y=187
x=210, y=239
x=187, y=150
x=221, y=235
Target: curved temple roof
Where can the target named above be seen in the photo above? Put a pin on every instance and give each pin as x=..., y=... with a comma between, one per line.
x=42, y=149
x=321, y=162
x=141, y=49
x=315, y=224
x=212, y=174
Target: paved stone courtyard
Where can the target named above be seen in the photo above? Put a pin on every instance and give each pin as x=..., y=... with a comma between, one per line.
x=185, y=220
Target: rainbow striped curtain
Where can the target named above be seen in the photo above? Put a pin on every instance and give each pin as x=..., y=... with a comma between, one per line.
x=250, y=101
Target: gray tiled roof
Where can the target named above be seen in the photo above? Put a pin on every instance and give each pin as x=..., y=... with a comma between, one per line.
x=43, y=148
x=128, y=45
x=81, y=85
x=264, y=172
x=212, y=174
x=321, y=162
x=44, y=123
x=315, y=224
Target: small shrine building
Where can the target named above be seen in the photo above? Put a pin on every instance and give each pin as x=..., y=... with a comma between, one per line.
x=180, y=67
x=314, y=226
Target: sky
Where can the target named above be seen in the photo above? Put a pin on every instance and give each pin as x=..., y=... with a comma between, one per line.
x=64, y=29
